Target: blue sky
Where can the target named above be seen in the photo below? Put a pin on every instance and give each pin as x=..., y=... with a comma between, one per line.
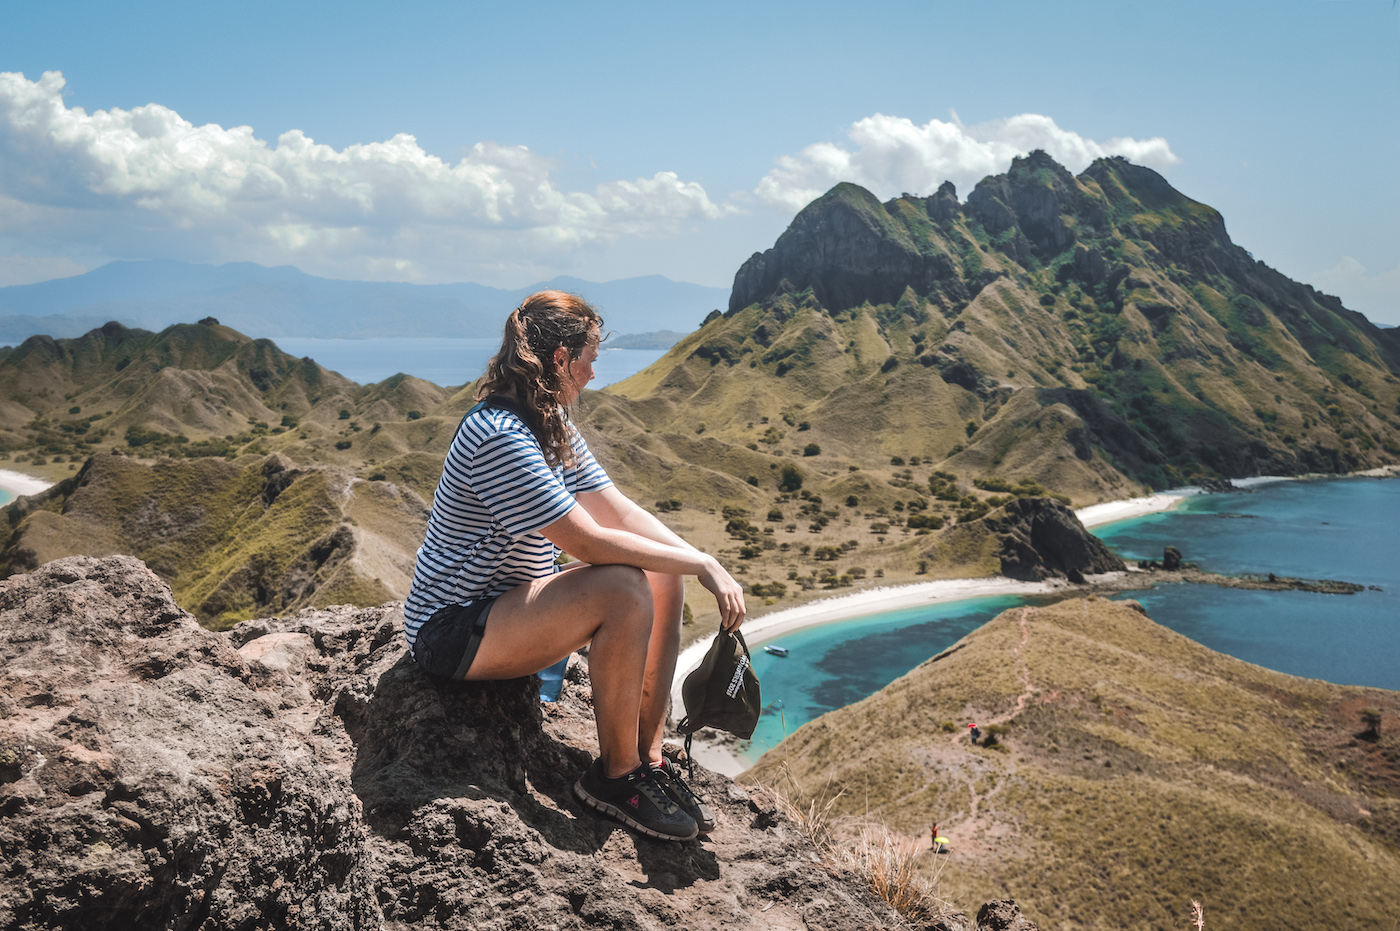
x=447, y=142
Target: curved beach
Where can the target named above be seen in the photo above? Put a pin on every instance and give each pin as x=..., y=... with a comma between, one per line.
x=870, y=601
x=19, y=484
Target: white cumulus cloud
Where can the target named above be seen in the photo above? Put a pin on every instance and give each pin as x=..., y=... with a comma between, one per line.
x=148, y=177
x=890, y=155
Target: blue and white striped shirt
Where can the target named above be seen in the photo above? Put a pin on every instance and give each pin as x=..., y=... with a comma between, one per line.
x=496, y=493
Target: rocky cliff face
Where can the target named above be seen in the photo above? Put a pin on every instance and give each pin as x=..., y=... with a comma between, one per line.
x=1030, y=538
x=303, y=773
x=848, y=250
x=1041, y=538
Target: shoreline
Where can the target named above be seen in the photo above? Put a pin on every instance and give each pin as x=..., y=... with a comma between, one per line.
x=19, y=484
x=719, y=756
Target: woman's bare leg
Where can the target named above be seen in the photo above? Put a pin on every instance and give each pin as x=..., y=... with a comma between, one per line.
x=668, y=601
x=537, y=624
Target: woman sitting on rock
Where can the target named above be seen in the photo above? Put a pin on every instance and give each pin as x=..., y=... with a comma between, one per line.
x=489, y=602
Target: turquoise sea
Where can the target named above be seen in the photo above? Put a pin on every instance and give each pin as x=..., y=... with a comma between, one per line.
x=1346, y=529
x=442, y=361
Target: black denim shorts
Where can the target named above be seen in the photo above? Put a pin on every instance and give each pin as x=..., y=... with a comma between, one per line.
x=447, y=642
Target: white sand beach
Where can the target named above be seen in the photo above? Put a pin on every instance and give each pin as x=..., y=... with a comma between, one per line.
x=1096, y=515
x=758, y=630
x=17, y=483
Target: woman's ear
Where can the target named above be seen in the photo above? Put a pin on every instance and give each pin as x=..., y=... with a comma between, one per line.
x=561, y=359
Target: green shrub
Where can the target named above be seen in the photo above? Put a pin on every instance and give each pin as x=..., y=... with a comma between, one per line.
x=768, y=589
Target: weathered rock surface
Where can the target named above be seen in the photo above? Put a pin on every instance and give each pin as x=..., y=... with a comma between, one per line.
x=1171, y=559
x=1032, y=539
x=847, y=250
x=304, y=773
x=1042, y=538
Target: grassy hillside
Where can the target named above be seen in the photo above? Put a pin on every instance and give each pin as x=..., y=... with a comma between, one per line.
x=1133, y=770
x=238, y=539
x=1095, y=334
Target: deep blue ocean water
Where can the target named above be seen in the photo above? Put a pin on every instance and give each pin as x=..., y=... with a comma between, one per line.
x=1347, y=529
x=446, y=362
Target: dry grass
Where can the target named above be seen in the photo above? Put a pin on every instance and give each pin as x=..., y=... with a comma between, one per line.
x=1129, y=726
x=890, y=862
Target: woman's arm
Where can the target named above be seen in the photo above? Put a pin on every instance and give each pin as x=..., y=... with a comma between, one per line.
x=634, y=543
x=611, y=508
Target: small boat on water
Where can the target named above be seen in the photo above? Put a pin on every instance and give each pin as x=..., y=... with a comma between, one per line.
x=776, y=650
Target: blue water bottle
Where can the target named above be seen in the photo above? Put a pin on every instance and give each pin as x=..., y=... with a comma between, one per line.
x=552, y=680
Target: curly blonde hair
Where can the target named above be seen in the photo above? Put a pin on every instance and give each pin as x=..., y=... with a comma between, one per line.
x=524, y=369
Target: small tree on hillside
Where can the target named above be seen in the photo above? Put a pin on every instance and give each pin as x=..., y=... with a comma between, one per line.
x=1372, y=719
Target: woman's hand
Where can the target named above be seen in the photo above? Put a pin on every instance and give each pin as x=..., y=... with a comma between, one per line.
x=729, y=594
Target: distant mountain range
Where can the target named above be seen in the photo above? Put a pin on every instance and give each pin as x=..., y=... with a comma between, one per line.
x=282, y=301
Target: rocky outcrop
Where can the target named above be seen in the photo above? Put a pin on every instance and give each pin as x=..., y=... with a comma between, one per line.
x=159, y=781
x=1037, y=195
x=846, y=247
x=1041, y=538
x=1171, y=559
x=304, y=773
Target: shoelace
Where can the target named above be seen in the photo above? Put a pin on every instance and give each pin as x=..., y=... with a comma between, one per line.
x=658, y=796
x=674, y=779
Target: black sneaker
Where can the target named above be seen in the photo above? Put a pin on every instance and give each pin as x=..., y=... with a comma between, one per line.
x=637, y=800
x=668, y=776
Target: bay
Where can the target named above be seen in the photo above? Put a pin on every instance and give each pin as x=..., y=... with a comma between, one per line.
x=833, y=665
x=1347, y=529
x=448, y=362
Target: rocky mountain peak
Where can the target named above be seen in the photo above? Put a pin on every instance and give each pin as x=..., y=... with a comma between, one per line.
x=848, y=248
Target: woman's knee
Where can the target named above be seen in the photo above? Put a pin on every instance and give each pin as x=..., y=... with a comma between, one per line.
x=629, y=588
